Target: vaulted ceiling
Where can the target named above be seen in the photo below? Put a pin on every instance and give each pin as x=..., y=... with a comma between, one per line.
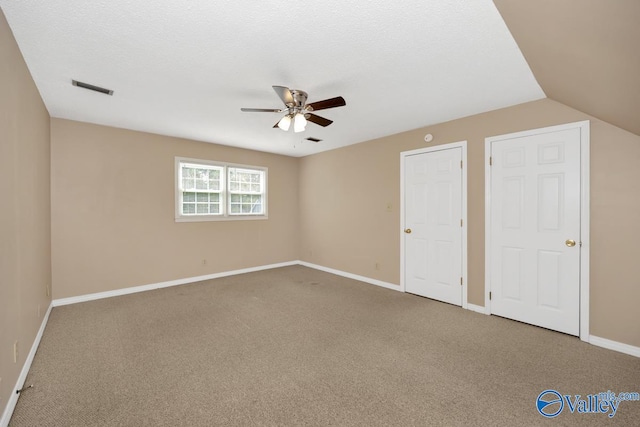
x=583, y=53
x=184, y=68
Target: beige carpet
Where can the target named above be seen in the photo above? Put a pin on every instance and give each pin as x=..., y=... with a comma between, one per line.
x=295, y=346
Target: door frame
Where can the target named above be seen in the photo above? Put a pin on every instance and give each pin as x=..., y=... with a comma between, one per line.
x=403, y=155
x=583, y=126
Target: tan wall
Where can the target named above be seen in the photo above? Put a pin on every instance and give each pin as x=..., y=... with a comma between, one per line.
x=113, y=212
x=345, y=225
x=25, y=238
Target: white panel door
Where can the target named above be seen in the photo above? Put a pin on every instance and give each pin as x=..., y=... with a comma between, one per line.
x=433, y=231
x=535, y=218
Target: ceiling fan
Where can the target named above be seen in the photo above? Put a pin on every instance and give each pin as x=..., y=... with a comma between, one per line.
x=297, y=109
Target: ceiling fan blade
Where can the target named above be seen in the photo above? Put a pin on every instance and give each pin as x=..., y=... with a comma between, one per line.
x=318, y=120
x=261, y=110
x=328, y=103
x=285, y=94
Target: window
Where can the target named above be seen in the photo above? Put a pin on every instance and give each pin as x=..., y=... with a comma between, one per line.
x=208, y=191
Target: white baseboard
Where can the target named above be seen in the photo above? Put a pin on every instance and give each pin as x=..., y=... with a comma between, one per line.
x=351, y=276
x=615, y=345
x=13, y=399
x=150, y=287
x=600, y=342
x=125, y=291
x=477, y=308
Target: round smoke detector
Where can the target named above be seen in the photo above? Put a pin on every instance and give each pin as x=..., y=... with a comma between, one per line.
x=428, y=138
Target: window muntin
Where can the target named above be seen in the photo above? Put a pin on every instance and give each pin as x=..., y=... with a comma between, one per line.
x=208, y=190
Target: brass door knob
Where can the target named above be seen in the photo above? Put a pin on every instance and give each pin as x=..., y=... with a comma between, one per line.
x=407, y=230
x=570, y=243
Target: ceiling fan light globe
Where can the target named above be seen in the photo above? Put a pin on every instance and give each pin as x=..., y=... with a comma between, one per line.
x=284, y=123
x=299, y=123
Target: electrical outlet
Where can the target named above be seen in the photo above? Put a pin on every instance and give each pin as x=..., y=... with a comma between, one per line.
x=15, y=352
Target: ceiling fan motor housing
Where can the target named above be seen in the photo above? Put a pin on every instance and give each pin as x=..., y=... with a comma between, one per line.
x=299, y=99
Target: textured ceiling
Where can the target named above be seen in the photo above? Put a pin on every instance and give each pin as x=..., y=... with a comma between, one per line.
x=184, y=68
x=584, y=53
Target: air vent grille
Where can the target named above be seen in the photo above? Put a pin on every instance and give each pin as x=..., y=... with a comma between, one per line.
x=313, y=139
x=92, y=87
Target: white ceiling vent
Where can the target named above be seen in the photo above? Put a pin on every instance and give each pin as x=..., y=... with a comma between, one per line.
x=92, y=87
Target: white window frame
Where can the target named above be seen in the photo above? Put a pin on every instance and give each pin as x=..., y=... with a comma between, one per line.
x=225, y=194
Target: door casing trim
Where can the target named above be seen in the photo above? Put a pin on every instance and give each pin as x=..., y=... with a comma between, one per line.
x=403, y=155
x=583, y=126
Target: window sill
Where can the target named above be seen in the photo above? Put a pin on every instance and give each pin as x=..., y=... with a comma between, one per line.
x=204, y=218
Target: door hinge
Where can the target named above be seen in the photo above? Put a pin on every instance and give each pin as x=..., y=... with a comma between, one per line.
x=489, y=295
x=461, y=281
x=460, y=164
x=461, y=223
x=490, y=161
